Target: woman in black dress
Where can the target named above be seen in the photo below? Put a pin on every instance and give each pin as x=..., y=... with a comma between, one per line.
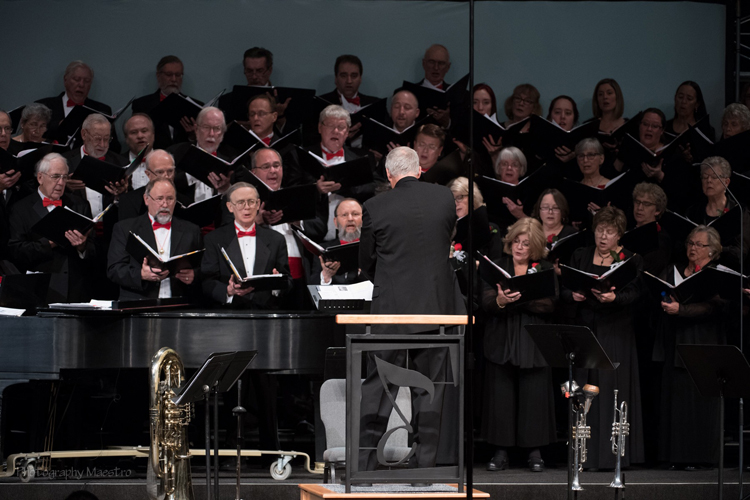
x=519, y=404
x=610, y=317
x=689, y=423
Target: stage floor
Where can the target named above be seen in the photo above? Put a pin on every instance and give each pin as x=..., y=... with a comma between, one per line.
x=515, y=483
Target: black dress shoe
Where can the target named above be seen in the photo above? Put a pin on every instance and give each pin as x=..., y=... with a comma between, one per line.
x=497, y=464
x=536, y=465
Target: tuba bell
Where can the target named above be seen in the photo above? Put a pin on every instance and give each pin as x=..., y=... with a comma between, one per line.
x=169, y=454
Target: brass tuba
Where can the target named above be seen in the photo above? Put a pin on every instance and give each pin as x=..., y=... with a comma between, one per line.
x=169, y=453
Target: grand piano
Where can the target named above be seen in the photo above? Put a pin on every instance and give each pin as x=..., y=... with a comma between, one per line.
x=40, y=347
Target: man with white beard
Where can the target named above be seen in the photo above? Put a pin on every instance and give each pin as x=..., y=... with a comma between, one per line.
x=165, y=234
x=348, y=221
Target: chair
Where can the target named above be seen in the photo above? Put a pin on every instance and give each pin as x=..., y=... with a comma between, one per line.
x=333, y=415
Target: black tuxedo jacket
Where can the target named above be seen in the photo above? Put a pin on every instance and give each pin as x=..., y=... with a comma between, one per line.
x=338, y=279
x=55, y=104
x=31, y=252
x=163, y=139
x=270, y=254
x=404, y=248
x=15, y=194
x=125, y=271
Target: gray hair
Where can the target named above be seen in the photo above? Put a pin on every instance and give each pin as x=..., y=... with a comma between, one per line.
x=239, y=185
x=211, y=109
x=253, y=163
x=714, y=240
x=152, y=183
x=719, y=164
x=94, y=119
x=588, y=144
x=402, y=161
x=512, y=153
x=460, y=185
x=337, y=112
x=34, y=110
x=737, y=111
x=74, y=65
x=43, y=166
x=159, y=151
x=653, y=191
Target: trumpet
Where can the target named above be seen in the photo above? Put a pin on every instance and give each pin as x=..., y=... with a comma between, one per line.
x=620, y=430
x=580, y=431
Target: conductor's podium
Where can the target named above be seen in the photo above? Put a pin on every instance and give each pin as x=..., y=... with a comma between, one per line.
x=380, y=491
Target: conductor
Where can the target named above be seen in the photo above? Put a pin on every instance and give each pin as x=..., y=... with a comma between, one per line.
x=404, y=250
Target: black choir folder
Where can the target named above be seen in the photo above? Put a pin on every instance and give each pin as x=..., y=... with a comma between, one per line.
x=583, y=282
x=347, y=254
x=679, y=227
x=695, y=288
x=55, y=224
x=71, y=124
x=243, y=139
x=349, y=174
x=26, y=160
x=98, y=174
x=259, y=281
x=435, y=98
x=549, y=135
x=140, y=250
x=532, y=286
x=199, y=163
x=563, y=248
x=201, y=213
x=484, y=126
x=378, y=136
x=296, y=202
x=375, y=110
x=642, y=239
x=176, y=106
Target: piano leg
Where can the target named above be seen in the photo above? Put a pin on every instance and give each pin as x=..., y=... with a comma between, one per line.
x=5, y=383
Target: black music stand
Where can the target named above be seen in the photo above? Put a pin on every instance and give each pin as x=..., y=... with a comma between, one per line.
x=218, y=374
x=568, y=346
x=718, y=371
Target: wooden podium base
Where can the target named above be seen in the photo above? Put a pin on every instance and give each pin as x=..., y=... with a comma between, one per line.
x=320, y=491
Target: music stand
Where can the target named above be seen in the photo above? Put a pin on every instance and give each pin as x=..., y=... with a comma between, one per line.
x=568, y=346
x=218, y=374
x=718, y=371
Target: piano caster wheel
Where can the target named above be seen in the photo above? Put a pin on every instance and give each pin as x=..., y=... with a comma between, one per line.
x=27, y=473
x=280, y=474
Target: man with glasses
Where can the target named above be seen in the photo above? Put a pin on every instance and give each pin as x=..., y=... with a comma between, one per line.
x=67, y=261
x=428, y=144
x=252, y=248
x=167, y=236
x=261, y=118
x=169, y=74
x=348, y=220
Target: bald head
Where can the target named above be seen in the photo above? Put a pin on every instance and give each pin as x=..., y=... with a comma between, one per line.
x=160, y=165
x=436, y=63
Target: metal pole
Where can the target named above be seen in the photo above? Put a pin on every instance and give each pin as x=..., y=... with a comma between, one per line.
x=216, y=443
x=207, y=431
x=469, y=377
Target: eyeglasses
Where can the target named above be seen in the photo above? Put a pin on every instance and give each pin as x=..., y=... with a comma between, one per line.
x=338, y=128
x=35, y=126
x=7, y=130
x=101, y=138
x=258, y=114
x=609, y=233
x=523, y=244
x=654, y=126
x=266, y=166
x=547, y=208
x=510, y=164
x=644, y=204
x=460, y=198
x=209, y=128
x=437, y=64
x=162, y=172
x=427, y=146
x=252, y=202
x=587, y=156
x=708, y=177
x=695, y=244
x=521, y=100
x=161, y=200
x=58, y=177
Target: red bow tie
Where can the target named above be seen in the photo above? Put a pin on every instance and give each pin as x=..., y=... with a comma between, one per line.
x=214, y=154
x=159, y=225
x=331, y=156
x=161, y=97
x=440, y=86
x=47, y=202
x=70, y=103
x=353, y=100
x=346, y=242
x=102, y=158
x=241, y=233
x=266, y=141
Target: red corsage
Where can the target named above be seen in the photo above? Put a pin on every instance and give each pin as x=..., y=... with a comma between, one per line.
x=726, y=209
x=622, y=256
x=457, y=247
x=697, y=268
x=658, y=227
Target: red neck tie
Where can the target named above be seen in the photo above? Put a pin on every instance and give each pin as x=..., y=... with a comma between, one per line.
x=331, y=156
x=47, y=202
x=440, y=86
x=161, y=97
x=102, y=158
x=353, y=100
x=266, y=141
x=346, y=242
x=159, y=225
x=241, y=233
x=70, y=103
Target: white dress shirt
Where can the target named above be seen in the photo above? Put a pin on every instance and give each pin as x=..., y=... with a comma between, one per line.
x=247, y=248
x=333, y=198
x=163, y=237
x=95, y=198
x=139, y=178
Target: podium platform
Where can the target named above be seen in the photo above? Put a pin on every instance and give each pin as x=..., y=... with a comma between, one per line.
x=384, y=491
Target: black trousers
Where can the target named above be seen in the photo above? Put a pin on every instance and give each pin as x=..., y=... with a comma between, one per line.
x=375, y=408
